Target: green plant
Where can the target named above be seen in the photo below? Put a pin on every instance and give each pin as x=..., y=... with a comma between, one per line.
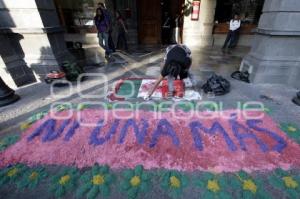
x=72, y=70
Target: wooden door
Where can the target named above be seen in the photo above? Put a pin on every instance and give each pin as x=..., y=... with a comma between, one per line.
x=149, y=12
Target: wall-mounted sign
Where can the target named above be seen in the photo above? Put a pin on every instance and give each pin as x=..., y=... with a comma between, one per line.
x=196, y=10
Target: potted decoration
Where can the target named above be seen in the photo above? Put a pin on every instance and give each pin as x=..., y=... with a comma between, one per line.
x=72, y=70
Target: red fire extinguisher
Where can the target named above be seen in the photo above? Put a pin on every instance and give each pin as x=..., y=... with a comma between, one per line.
x=196, y=10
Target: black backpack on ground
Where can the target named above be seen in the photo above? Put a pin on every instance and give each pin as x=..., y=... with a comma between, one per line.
x=217, y=85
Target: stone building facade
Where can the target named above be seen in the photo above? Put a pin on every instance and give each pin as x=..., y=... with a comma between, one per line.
x=33, y=33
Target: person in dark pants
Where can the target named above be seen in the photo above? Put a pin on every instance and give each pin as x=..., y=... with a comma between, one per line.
x=233, y=34
x=178, y=25
x=166, y=29
x=122, y=31
x=107, y=15
x=102, y=25
x=178, y=60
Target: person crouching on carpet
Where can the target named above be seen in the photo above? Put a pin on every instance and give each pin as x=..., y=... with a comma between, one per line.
x=177, y=62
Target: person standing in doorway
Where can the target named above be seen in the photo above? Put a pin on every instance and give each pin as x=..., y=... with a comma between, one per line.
x=122, y=31
x=166, y=29
x=178, y=25
x=233, y=34
x=102, y=25
x=109, y=18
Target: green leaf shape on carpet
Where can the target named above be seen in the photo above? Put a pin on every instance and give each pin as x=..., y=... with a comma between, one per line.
x=95, y=182
x=11, y=175
x=135, y=181
x=64, y=182
x=8, y=141
x=31, y=178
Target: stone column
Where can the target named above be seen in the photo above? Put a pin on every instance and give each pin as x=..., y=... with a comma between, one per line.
x=14, y=67
x=7, y=95
x=199, y=33
x=40, y=46
x=274, y=57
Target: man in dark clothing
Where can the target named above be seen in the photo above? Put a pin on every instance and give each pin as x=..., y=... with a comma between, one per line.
x=178, y=55
x=107, y=15
x=166, y=29
x=177, y=63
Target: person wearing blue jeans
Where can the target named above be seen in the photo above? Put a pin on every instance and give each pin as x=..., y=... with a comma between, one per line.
x=103, y=42
x=108, y=17
x=102, y=24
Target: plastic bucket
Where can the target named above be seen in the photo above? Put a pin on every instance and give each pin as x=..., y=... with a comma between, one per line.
x=179, y=88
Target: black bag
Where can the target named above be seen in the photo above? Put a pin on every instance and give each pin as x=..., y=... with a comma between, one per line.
x=217, y=85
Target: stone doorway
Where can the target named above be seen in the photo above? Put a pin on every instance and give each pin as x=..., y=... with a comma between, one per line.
x=151, y=19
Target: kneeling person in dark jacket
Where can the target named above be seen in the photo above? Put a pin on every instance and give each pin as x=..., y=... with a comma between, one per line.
x=178, y=61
